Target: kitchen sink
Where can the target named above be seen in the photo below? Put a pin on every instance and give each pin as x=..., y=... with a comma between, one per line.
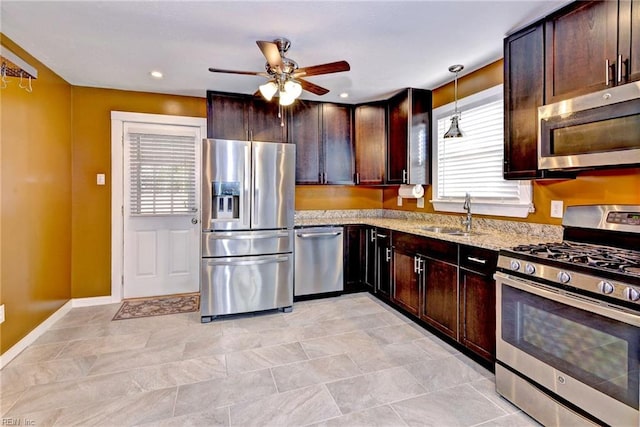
x=451, y=231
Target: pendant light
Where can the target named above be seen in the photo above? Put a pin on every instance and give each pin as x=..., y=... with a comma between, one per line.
x=454, y=130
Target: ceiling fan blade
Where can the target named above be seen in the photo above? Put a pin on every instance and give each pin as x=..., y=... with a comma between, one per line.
x=312, y=87
x=331, y=67
x=271, y=52
x=246, y=73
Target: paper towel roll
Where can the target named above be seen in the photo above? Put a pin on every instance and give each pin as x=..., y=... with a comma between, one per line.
x=411, y=191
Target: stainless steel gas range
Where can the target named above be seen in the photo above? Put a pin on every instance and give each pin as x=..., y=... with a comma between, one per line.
x=568, y=321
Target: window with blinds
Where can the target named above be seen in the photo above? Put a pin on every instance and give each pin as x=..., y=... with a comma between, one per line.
x=162, y=174
x=473, y=164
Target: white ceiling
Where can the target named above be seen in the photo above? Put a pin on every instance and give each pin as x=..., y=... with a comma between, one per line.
x=389, y=44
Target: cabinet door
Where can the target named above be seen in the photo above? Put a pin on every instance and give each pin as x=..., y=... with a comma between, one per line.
x=227, y=117
x=354, y=257
x=304, y=131
x=477, y=313
x=337, y=144
x=370, y=142
x=383, y=263
x=579, y=41
x=440, y=296
x=406, y=280
x=629, y=43
x=370, y=259
x=523, y=94
x=398, y=136
x=265, y=124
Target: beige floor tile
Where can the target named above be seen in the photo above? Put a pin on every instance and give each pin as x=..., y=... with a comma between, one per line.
x=435, y=348
x=374, y=389
x=388, y=356
x=395, y=334
x=38, y=353
x=294, y=408
x=442, y=373
x=487, y=387
x=217, y=417
x=224, y=391
x=454, y=407
x=131, y=359
x=380, y=416
x=519, y=419
x=19, y=377
x=315, y=371
x=104, y=344
x=93, y=330
x=264, y=357
x=222, y=344
x=357, y=341
x=180, y=372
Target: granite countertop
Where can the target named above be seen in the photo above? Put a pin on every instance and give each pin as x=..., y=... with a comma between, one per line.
x=489, y=234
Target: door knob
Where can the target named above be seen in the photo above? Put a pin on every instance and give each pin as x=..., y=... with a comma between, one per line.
x=194, y=220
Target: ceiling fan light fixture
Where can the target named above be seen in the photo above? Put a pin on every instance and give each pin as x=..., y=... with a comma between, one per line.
x=293, y=88
x=268, y=90
x=454, y=130
x=286, y=98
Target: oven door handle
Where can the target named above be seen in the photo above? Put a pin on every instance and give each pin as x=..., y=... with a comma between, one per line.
x=571, y=299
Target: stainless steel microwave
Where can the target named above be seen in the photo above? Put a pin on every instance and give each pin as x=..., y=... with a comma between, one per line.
x=601, y=129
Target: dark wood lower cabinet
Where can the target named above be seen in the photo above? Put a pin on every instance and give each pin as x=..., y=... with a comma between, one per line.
x=354, y=257
x=370, y=259
x=406, y=280
x=440, y=296
x=383, y=262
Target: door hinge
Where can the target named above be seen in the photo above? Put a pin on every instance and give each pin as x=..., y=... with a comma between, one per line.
x=122, y=280
x=122, y=210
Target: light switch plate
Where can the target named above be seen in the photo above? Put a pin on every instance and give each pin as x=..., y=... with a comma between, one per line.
x=2, y=313
x=100, y=179
x=556, y=208
x=420, y=202
x=399, y=201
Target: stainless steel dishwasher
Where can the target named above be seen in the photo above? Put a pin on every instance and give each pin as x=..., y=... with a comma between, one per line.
x=318, y=260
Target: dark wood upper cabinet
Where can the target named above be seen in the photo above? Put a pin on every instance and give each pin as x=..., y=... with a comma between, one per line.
x=370, y=129
x=409, y=137
x=304, y=132
x=629, y=41
x=227, y=116
x=523, y=94
x=324, y=146
x=337, y=144
x=581, y=48
x=244, y=118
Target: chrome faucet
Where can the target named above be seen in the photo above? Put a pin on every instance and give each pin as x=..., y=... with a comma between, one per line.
x=467, y=206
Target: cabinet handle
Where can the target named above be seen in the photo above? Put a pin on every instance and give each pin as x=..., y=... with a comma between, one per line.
x=478, y=260
x=388, y=254
x=404, y=176
x=607, y=71
x=619, y=69
x=415, y=264
x=420, y=269
x=357, y=178
x=382, y=235
x=373, y=235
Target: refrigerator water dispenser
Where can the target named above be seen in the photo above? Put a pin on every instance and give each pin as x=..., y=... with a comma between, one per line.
x=225, y=201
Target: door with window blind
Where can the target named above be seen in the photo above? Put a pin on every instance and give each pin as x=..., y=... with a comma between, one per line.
x=161, y=209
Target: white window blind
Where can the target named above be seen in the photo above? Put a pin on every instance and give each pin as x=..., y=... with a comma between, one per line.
x=473, y=164
x=162, y=174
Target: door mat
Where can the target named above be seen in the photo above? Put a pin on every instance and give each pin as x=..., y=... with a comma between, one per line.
x=158, y=306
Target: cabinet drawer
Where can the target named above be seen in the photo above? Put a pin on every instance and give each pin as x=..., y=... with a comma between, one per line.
x=410, y=242
x=478, y=259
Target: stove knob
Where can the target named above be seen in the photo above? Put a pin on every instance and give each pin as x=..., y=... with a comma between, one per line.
x=605, y=287
x=563, y=277
x=632, y=294
x=515, y=265
x=530, y=268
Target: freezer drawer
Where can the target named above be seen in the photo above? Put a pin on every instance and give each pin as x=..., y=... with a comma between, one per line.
x=319, y=262
x=245, y=284
x=241, y=243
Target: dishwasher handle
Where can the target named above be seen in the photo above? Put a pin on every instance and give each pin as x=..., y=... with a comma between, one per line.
x=316, y=235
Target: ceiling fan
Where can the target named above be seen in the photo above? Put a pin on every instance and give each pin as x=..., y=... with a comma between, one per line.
x=285, y=77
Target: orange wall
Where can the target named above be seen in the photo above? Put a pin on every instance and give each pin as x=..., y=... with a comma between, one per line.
x=616, y=186
x=91, y=217
x=35, y=226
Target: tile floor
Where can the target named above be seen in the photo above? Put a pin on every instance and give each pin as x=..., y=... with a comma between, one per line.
x=345, y=361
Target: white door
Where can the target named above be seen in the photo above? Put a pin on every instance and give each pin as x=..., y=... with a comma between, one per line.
x=161, y=209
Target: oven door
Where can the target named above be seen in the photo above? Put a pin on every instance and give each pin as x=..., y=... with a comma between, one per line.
x=581, y=350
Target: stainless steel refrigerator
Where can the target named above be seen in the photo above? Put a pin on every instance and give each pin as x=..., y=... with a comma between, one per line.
x=247, y=227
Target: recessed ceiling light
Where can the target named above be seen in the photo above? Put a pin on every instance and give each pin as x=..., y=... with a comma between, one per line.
x=344, y=95
x=156, y=74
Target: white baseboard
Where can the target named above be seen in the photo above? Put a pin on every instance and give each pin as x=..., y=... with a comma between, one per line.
x=88, y=302
x=30, y=338
x=43, y=327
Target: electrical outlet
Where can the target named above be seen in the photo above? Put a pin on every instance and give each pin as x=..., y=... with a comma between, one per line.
x=556, y=208
x=2, y=313
x=420, y=203
x=399, y=201
x=100, y=179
